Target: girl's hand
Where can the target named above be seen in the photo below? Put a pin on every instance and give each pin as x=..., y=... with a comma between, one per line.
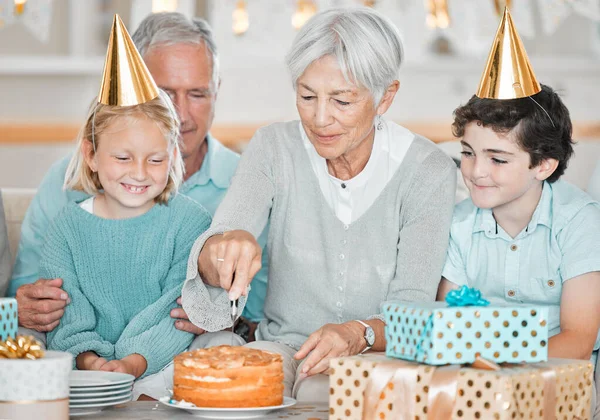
x=89, y=361
x=234, y=254
x=328, y=342
x=134, y=364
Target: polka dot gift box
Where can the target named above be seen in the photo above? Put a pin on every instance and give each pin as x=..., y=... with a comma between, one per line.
x=437, y=334
x=31, y=387
x=8, y=318
x=32, y=381
x=373, y=387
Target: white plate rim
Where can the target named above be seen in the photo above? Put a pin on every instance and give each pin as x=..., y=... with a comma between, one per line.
x=101, y=399
x=100, y=393
x=104, y=388
x=102, y=404
x=124, y=378
x=287, y=402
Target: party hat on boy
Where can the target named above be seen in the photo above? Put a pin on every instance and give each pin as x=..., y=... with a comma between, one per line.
x=126, y=80
x=508, y=73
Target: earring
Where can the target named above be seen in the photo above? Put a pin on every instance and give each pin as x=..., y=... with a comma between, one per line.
x=379, y=124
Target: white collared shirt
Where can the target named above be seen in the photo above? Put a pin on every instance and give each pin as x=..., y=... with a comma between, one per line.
x=88, y=204
x=352, y=198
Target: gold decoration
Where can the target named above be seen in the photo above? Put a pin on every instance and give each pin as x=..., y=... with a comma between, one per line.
x=20, y=7
x=164, y=6
x=305, y=9
x=240, y=19
x=499, y=5
x=437, y=14
x=508, y=73
x=23, y=347
x=126, y=81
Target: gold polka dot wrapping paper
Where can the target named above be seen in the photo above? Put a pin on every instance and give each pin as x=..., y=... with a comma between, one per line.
x=558, y=388
x=437, y=334
x=8, y=318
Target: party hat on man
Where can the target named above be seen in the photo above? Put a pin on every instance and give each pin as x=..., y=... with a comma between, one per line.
x=508, y=73
x=126, y=80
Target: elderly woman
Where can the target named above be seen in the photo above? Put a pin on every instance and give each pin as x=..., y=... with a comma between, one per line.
x=359, y=207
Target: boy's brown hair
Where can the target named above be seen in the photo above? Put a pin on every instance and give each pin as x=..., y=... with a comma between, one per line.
x=542, y=133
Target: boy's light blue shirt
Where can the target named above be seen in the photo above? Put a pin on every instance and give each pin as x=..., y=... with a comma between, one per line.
x=207, y=187
x=560, y=242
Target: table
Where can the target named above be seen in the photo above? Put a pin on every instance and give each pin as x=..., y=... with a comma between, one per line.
x=150, y=410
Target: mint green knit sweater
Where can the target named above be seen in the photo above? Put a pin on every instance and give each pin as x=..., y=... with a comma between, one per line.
x=123, y=277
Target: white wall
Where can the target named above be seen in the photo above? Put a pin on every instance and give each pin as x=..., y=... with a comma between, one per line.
x=255, y=84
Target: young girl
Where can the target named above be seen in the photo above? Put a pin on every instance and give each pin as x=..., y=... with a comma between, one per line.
x=122, y=254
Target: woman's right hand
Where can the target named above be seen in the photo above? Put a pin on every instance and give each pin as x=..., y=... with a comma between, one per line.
x=230, y=261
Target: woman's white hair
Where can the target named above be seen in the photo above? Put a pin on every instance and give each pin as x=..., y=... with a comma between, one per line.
x=366, y=44
x=171, y=28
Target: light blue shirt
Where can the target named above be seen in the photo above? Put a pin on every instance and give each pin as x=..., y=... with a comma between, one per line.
x=561, y=241
x=207, y=187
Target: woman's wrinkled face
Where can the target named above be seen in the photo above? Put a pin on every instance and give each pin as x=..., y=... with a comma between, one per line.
x=336, y=115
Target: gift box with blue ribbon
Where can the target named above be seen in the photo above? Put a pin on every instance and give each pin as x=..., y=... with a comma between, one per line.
x=464, y=328
x=8, y=318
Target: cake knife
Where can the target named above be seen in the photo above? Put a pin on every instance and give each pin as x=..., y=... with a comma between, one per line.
x=234, y=310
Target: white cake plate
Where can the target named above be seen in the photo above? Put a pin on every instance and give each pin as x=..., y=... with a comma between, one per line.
x=230, y=413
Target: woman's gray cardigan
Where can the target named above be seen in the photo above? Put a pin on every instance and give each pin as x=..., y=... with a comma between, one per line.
x=321, y=270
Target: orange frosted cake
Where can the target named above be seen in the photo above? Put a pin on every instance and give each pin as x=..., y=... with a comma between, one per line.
x=227, y=376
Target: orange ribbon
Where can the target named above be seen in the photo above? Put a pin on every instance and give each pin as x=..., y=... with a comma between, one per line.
x=400, y=378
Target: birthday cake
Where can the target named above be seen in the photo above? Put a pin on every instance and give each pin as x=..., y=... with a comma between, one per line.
x=227, y=376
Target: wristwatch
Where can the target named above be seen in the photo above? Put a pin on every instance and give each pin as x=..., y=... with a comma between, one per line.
x=369, y=335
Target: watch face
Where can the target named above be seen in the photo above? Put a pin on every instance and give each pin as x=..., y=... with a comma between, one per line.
x=370, y=336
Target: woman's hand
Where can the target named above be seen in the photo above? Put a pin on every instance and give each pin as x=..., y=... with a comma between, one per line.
x=230, y=261
x=328, y=342
x=134, y=364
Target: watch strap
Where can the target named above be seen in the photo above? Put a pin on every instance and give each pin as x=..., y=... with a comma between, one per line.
x=367, y=326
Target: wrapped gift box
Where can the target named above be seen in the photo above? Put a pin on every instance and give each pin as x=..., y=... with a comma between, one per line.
x=374, y=387
x=30, y=387
x=8, y=318
x=437, y=334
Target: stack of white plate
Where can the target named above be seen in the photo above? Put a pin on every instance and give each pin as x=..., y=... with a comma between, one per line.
x=91, y=391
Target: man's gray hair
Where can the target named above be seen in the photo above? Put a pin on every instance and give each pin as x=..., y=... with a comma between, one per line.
x=366, y=44
x=175, y=28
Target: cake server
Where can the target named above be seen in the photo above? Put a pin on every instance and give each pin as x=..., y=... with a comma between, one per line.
x=234, y=314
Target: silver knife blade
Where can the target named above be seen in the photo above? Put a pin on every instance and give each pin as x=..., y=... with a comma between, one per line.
x=234, y=309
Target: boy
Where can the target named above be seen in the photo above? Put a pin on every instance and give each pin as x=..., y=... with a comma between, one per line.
x=524, y=236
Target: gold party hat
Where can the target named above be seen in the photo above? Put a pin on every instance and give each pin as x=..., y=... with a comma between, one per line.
x=126, y=80
x=508, y=73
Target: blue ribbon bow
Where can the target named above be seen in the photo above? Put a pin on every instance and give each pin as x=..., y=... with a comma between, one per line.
x=465, y=296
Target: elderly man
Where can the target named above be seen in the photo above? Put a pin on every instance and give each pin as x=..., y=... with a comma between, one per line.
x=182, y=57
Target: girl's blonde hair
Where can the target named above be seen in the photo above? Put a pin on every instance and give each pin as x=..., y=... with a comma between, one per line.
x=80, y=176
